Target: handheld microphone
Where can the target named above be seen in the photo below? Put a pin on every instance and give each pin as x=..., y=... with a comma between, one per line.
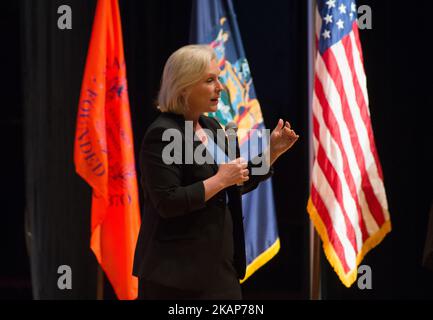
x=234, y=151
x=233, y=143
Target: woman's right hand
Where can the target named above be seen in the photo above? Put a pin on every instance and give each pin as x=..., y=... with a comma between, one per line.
x=233, y=172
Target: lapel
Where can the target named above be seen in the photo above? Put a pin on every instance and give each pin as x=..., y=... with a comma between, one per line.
x=207, y=123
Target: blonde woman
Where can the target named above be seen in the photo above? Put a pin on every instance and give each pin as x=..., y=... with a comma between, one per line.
x=191, y=242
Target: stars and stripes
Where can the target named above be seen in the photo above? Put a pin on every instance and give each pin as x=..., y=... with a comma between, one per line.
x=347, y=199
x=338, y=19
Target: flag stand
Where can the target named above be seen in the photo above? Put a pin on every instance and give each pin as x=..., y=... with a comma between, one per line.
x=99, y=283
x=315, y=275
x=314, y=237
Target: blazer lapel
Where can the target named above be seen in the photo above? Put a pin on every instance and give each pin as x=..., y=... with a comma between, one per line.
x=206, y=123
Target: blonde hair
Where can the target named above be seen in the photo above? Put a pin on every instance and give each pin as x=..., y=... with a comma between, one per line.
x=184, y=68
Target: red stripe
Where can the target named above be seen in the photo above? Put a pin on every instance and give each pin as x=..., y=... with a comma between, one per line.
x=347, y=44
x=334, y=129
x=332, y=235
x=372, y=201
x=335, y=184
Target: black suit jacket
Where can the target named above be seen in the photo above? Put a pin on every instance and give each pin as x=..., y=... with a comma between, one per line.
x=180, y=239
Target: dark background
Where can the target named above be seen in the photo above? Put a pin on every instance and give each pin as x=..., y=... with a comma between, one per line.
x=42, y=72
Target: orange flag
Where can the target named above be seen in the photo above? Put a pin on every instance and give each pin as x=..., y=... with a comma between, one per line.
x=104, y=151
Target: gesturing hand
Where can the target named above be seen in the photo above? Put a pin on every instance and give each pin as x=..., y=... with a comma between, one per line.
x=282, y=139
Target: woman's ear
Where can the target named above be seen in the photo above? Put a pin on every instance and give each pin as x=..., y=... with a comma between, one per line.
x=184, y=93
x=183, y=96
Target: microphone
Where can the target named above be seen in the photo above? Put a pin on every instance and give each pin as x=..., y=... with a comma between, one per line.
x=233, y=143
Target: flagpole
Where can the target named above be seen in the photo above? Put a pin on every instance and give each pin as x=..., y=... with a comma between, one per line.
x=99, y=283
x=314, y=237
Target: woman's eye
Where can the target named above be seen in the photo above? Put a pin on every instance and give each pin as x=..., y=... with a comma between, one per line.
x=209, y=80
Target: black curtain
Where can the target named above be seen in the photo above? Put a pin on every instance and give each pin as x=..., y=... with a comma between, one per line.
x=57, y=201
x=14, y=266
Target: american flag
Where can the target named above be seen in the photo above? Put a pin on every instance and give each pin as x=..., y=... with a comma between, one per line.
x=347, y=201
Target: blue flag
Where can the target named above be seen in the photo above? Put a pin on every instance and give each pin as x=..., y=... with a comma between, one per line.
x=214, y=23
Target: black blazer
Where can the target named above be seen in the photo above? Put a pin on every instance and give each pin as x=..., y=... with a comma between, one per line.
x=180, y=237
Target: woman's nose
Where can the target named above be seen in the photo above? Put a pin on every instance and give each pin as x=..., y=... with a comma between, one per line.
x=219, y=86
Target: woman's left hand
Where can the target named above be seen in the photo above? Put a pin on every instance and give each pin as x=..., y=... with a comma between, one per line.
x=282, y=139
